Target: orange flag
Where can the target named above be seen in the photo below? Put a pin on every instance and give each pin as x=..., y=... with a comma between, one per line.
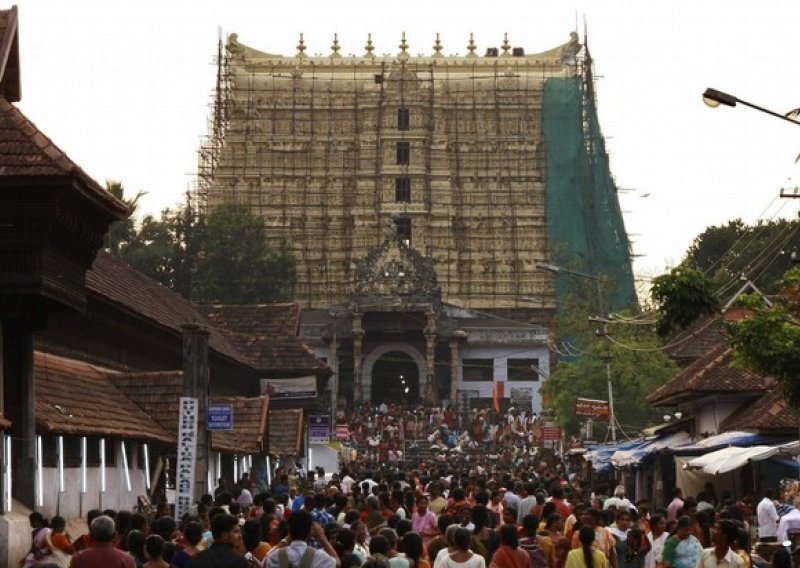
x=497, y=394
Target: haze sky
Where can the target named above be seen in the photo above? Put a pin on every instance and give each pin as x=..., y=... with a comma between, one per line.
x=125, y=88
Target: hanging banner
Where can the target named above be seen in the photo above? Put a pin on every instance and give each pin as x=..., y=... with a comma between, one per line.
x=319, y=429
x=591, y=408
x=290, y=389
x=187, y=454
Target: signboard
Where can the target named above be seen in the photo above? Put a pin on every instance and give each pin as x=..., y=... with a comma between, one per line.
x=319, y=429
x=591, y=408
x=290, y=389
x=220, y=417
x=522, y=398
x=551, y=433
x=187, y=454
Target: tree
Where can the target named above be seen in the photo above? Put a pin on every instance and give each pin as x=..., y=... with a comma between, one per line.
x=768, y=341
x=638, y=367
x=681, y=297
x=120, y=232
x=235, y=265
x=218, y=257
x=760, y=253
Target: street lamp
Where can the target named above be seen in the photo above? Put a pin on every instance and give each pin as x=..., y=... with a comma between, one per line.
x=715, y=98
x=556, y=269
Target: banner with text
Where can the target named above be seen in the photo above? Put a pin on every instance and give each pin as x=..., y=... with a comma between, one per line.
x=592, y=408
x=290, y=389
x=187, y=453
x=319, y=429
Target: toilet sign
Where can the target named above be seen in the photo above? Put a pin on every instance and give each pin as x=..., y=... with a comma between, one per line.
x=220, y=417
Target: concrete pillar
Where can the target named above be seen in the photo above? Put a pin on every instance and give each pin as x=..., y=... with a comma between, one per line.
x=430, y=355
x=18, y=406
x=196, y=385
x=455, y=363
x=358, y=337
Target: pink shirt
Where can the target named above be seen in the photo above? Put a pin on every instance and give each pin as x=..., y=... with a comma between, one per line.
x=425, y=526
x=672, y=509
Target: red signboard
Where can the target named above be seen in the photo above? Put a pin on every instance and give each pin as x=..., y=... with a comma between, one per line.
x=551, y=433
x=591, y=408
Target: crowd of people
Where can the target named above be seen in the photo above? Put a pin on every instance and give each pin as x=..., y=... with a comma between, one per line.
x=432, y=516
x=393, y=434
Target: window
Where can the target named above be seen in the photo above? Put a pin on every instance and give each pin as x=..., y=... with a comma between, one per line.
x=523, y=370
x=475, y=370
x=403, y=119
x=403, y=226
x=402, y=189
x=403, y=153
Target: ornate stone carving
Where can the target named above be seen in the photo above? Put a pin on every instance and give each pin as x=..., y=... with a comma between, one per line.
x=395, y=269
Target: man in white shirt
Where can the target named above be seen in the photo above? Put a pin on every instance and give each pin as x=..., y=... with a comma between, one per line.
x=347, y=482
x=721, y=555
x=767, y=517
x=790, y=522
x=619, y=501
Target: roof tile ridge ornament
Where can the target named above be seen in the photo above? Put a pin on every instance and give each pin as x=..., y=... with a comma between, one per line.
x=471, y=47
x=437, y=47
x=403, y=55
x=369, y=48
x=335, y=47
x=301, y=48
x=506, y=47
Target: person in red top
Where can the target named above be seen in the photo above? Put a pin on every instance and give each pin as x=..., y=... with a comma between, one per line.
x=85, y=541
x=562, y=507
x=102, y=553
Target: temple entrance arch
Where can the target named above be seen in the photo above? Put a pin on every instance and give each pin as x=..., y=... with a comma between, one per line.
x=391, y=369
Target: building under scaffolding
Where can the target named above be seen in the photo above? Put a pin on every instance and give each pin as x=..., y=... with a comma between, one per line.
x=417, y=194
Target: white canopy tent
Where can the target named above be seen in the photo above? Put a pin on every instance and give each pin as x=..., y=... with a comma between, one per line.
x=731, y=458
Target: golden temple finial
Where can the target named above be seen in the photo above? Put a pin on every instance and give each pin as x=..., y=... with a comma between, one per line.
x=369, y=47
x=403, y=55
x=506, y=47
x=335, y=47
x=301, y=47
x=437, y=46
x=471, y=47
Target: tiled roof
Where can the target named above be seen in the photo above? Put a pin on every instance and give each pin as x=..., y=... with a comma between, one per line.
x=279, y=354
x=118, y=282
x=770, y=413
x=712, y=373
x=285, y=431
x=267, y=334
x=702, y=336
x=73, y=397
x=698, y=339
x=26, y=152
x=158, y=395
x=260, y=319
x=249, y=426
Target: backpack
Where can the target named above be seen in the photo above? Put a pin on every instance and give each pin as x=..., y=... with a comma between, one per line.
x=305, y=560
x=537, y=554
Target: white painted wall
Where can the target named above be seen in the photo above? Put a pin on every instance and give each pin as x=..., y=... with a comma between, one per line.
x=709, y=416
x=500, y=356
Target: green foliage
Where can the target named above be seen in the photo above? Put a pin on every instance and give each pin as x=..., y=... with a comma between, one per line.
x=768, y=341
x=221, y=257
x=637, y=365
x=235, y=265
x=681, y=296
x=761, y=253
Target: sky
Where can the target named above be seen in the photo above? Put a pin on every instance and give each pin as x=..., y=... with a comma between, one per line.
x=125, y=89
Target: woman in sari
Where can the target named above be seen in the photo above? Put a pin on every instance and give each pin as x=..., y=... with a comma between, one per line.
x=39, y=551
x=508, y=554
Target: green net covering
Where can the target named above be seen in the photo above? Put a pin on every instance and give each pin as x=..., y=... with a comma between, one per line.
x=585, y=225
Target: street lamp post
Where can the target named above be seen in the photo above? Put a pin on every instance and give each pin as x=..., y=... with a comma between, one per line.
x=601, y=319
x=715, y=98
